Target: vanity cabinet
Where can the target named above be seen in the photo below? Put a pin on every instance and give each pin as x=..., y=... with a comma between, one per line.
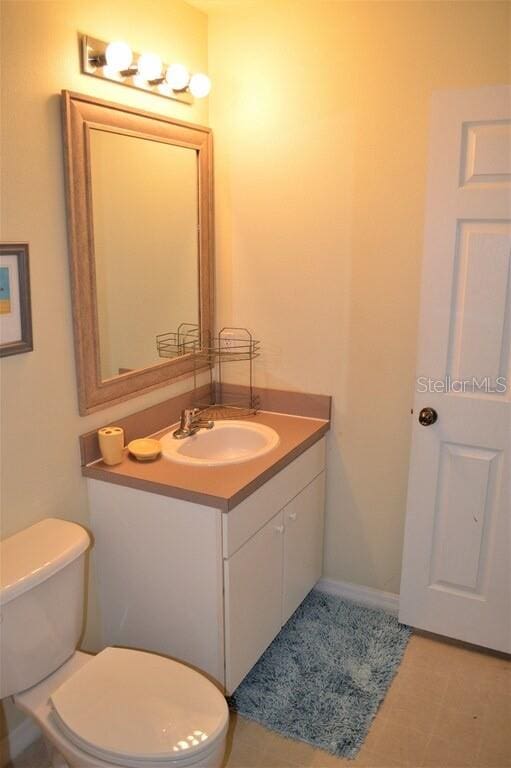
x=209, y=587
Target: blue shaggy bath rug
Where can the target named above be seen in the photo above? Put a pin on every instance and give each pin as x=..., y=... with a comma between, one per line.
x=323, y=677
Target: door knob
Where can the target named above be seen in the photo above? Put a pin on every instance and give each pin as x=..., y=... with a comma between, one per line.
x=427, y=417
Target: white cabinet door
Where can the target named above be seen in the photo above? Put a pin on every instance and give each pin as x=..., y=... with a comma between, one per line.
x=303, y=544
x=456, y=568
x=253, y=600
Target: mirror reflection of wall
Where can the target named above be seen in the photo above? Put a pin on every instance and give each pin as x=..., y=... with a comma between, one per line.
x=145, y=217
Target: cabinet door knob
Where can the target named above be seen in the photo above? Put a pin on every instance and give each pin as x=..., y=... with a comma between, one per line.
x=292, y=515
x=279, y=528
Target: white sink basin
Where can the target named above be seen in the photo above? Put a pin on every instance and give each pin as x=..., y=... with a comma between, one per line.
x=228, y=442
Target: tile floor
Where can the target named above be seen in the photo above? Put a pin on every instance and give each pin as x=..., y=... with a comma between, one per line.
x=448, y=707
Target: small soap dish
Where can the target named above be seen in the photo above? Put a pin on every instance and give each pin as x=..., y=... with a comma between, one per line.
x=145, y=449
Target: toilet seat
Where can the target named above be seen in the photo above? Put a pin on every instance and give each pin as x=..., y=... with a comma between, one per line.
x=133, y=708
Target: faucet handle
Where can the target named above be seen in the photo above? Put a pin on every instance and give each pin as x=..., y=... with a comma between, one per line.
x=187, y=415
x=191, y=423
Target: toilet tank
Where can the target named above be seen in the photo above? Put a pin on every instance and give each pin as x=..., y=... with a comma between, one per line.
x=41, y=601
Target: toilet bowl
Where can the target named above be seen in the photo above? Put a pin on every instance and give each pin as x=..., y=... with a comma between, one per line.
x=122, y=707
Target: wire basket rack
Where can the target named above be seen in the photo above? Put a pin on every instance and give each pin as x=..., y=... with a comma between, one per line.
x=184, y=341
x=229, y=345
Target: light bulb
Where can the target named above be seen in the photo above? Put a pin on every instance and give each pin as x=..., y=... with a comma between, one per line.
x=149, y=66
x=118, y=56
x=177, y=77
x=200, y=85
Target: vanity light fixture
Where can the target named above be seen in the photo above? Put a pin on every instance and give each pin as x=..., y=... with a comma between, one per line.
x=177, y=77
x=200, y=85
x=118, y=56
x=116, y=61
x=149, y=67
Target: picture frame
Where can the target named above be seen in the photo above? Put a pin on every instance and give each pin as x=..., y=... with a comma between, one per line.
x=15, y=305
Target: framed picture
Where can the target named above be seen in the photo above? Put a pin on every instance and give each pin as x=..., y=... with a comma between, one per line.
x=15, y=311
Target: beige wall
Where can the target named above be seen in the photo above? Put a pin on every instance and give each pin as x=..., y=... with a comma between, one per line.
x=320, y=112
x=40, y=421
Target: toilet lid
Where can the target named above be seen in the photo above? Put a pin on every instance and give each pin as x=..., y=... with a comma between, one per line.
x=140, y=706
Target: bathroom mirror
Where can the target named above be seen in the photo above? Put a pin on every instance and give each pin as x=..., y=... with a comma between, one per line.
x=139, y=190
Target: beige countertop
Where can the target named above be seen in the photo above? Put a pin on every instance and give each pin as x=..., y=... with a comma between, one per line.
x=222, y=487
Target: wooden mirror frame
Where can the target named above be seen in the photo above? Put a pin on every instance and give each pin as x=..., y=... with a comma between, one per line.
x=81, y=114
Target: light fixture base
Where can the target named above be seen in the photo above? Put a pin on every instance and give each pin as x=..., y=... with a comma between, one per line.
x=92, y=56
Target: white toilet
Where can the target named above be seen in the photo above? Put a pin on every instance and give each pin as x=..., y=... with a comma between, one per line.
x=119, y=708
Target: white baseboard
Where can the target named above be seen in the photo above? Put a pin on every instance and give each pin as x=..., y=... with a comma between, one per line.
x=17, y=740
x=372, y=598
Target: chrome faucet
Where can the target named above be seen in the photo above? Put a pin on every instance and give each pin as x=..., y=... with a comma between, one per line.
x=190, y=423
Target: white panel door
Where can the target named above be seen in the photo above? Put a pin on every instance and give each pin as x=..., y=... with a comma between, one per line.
x=456, y=569
x=303, y=544
x=253, y=600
